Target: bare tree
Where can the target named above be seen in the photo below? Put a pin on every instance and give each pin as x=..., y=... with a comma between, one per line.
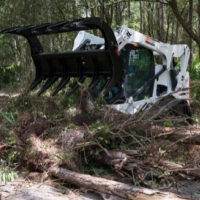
x=191, y=27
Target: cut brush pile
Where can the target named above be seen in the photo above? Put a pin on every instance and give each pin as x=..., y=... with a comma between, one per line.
x=130, y=157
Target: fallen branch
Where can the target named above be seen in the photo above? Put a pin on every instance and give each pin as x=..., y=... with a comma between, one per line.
x=4, y=146
x=174, y=167
x=111, y=187
x=188, y=135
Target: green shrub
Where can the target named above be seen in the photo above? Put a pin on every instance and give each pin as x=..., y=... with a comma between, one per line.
x=7, y=175
x=9, y=75
x=195, y=69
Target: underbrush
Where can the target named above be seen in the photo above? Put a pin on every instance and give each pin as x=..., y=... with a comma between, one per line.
x=195, y=102
x=37, y=133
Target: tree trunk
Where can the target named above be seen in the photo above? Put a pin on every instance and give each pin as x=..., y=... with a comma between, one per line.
x=141, y=18
x=111, y=187
x=182, y=135
x=191, y=27
x=74, y=9
x=158, y=28
x=164, y=20
x=103, y=10
x=174, y=167
x=176, y=33
x=144, y=10
x=129, y=13
x=168, y=26
x=149, y=21
x=199, y=22
x=173, y=27
x=174, y=6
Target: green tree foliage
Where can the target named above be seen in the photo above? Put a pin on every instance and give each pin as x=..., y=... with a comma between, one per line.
x=166, y=20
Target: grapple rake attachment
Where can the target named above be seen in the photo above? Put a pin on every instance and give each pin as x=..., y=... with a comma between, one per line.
x=97, y=64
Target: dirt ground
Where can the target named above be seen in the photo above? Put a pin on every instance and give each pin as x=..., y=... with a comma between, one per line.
x=24, y=189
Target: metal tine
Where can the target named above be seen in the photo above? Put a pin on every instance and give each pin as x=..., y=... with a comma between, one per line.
x=96, y=78
x=11, y=30
x=26, y=28
x=56, y=27
x=71, y=23
x=67, y=28
x=73, y=26
x=36, y=82
x=75, y=86
x=39, y=27
x=76, y=20
x=116, y=98
x=58, y=24
x=107, y=87
x=61, y=85
x=50, y=81
x=95, y=82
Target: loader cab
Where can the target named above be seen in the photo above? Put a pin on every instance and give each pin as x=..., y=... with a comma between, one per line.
x=139, y=68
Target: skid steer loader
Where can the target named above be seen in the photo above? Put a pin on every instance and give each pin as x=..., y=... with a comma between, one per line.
x=127, y=68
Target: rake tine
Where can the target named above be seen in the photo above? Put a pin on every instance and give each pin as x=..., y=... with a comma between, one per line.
x=48, y=83
x=108, y=86
x=26, y=28
x=36, y=82
x=38, y=28
x=96, y=78
x=58, y=25
x=117, y=97
x=61, y=85
x=95, y=82
x=11, y=30
x=75, y=86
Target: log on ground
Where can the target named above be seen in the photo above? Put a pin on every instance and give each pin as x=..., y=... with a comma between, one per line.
x=111, y=187
x=188, y=135
x=174, y=167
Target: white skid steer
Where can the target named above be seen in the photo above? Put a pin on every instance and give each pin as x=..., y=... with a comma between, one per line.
x=127, y=68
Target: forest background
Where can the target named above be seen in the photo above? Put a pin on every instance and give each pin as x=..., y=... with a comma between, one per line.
x=169, y=21
x=81, y=140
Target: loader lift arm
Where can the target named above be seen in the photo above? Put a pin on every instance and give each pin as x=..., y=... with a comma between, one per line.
x=168, y=79
x=126, y=35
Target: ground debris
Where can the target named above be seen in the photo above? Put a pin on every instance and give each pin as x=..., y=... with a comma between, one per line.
x=111, y=187
x=136, y=150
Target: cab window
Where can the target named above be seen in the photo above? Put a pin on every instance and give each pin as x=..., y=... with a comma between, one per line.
x=139, y=69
